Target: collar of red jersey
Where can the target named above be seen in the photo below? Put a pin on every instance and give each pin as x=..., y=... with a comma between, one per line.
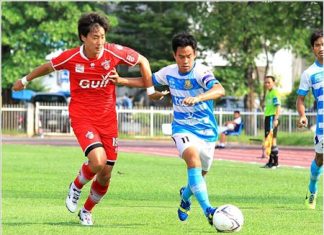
x=84, y=56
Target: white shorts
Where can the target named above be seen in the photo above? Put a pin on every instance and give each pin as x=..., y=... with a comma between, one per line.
x=318, y=144
x=206, y=149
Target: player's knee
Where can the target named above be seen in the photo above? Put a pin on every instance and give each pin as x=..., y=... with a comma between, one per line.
x=97, y=164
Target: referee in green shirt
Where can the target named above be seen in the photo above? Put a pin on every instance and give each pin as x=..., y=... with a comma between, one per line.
x=271, y=120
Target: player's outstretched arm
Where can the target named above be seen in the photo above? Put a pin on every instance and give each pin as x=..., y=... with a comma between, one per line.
x=300, y=105
x=215, y=92
x=129, y=82
x=134, y=82
x=147, y=79
x=37, y=72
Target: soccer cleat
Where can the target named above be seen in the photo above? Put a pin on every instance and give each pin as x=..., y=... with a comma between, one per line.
x=310, y=200
x=268, y=165
x=184, y=208
x=210, y=211
x=85, y=217
x=219, y=146
x=274, y=166
x=72, y=198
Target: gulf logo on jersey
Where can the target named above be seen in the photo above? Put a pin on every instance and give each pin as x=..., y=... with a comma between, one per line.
x=85, y=83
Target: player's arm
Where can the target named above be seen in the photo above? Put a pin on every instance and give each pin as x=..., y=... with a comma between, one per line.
x=134, y=82
x=146, y=73
x=300, y=105
x=129, y=82
x=37, y=72
x=231, y=122
x=215, y=92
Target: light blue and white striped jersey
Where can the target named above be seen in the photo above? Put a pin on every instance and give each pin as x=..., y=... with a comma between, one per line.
x=199, y=118
x=313, y=78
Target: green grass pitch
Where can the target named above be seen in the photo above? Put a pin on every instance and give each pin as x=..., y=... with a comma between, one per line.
x=143, y=195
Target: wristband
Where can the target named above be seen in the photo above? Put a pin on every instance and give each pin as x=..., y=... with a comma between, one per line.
x=150, y=90
x=24, y=81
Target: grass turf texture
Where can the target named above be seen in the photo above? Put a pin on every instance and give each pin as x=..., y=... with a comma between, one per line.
x=143, y=196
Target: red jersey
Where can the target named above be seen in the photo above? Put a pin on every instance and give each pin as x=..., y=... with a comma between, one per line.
x=93, y=96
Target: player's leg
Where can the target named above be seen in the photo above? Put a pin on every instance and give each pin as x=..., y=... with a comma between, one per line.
x=275, y=149
x=316, y=169
x=100, y=185
x=207, y=151
x=189, y=149
x=99, y=188
x=197, y=182
x=222, y=140
x=267, y=127
x=182, y=142
x=90, y=142
x=186, y=193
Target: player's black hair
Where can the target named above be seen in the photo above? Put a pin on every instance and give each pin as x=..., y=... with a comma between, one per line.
x=89, y=21
x=317, y=34
x=182, y=40
x=272, y=77
x=237, y=111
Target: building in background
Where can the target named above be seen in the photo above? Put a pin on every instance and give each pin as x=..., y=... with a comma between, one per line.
x=283, y=64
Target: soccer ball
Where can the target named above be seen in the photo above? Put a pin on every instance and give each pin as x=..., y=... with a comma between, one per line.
x=228, y=218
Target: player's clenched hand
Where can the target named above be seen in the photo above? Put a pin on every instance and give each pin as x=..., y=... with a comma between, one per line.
x=190, y=101
x=302, y=122
x=114, y=77
x=17, y=86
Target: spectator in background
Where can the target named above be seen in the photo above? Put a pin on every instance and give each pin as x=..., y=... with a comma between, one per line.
x=125, y=102
x=229, y=128
x=271, y=119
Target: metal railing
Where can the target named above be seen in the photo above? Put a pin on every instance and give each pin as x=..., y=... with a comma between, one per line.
x=49, y=119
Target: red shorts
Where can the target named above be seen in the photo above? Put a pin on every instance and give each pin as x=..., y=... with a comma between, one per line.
x=90, y=137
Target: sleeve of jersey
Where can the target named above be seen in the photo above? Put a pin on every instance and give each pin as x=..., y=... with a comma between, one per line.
x=159, y=77
x=125, y=55
x=238, y=120
x=303, y=85
x=59, y=61
x=208, y=79
x=276, y=99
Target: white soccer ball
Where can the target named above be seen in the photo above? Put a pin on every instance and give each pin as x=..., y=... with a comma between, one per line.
x=228, y=218
x=230, y=126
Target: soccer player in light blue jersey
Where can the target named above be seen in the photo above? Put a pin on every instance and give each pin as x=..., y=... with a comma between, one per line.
x=193, y=88
x=313, y=79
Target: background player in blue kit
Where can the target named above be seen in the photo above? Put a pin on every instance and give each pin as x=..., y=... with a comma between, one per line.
x=193, y=88
x=313, y=78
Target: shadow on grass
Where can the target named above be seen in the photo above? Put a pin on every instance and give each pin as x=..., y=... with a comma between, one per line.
x=74, y=224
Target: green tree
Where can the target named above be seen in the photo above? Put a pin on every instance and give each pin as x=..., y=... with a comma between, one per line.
x=32, y=30
x=292, y=97
x=149, y=26
x=240, y=31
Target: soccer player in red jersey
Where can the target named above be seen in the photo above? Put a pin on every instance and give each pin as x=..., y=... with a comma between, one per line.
x=92, y=108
